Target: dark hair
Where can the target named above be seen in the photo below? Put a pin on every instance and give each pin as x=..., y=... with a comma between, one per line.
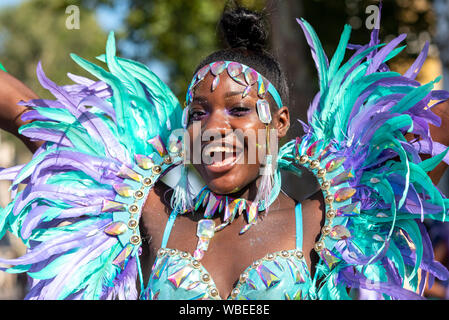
x=246, y=34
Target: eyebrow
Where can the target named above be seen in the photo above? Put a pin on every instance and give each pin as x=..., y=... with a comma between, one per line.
x=232, y=93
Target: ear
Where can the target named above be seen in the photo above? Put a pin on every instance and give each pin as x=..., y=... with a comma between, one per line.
x=282, y=123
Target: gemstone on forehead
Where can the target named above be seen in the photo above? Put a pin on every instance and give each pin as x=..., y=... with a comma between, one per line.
x=215, y=83
x=202, y=72
x=263, y=87
x=217, y=67
x=234, y=69
x=263, y=109
x=251, y=76
x=246, y=91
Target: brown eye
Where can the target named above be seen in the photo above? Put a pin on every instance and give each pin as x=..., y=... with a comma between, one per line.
x=239, y=111
x=196, y=115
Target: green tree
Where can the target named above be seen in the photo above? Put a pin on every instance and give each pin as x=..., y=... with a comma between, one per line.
x=36, y=31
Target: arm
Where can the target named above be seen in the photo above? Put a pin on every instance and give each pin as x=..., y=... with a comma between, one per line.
x=11, y=92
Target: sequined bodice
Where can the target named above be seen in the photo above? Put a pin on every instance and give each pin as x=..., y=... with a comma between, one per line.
x=281, y=275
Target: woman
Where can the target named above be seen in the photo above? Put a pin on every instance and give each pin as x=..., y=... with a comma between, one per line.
x=114, y=196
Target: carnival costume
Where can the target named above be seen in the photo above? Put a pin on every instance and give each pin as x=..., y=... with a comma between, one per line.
x=108, y=142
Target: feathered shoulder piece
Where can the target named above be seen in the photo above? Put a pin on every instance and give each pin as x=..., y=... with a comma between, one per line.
x=107, y=143
x=375, y=185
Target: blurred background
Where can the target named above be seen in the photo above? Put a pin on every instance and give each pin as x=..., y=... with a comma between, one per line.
x=173, y=36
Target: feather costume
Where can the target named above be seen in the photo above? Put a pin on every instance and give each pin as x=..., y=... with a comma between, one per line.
x=108, y=143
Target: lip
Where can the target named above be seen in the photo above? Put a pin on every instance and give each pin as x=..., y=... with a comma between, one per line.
x=230, y=156
x=225, y=165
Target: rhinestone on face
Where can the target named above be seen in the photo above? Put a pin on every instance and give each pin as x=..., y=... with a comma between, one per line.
x=168, y=160
x=255, y=264
x=329, y=198
x=234, y=69
x=132, y=223
x=196, y=264
x=135, y=239
x=173, y=252
x=217, y=67
x=161, y=252
x=157, y=169
x=184, y=254
x=133, y=208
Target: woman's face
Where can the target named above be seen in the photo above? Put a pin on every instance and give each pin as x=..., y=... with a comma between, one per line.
x=226, y=130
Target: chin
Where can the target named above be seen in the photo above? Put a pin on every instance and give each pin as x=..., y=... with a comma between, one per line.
x=232, y=181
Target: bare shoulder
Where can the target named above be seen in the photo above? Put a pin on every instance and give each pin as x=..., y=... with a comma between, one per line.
x=155, y=211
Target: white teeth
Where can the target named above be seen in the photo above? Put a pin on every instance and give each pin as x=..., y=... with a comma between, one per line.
x=218, y=149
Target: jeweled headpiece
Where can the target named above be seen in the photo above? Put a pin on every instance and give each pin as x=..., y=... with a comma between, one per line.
x=242, y=74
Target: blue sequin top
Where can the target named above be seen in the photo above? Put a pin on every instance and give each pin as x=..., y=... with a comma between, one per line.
x=278, y=276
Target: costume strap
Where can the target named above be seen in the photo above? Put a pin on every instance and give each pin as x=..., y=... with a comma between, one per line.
x=299, y=231
x=168, y=227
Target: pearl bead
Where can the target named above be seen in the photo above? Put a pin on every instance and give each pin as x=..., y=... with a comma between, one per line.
x=329, y=198
x=326, y=230
x=235, y=293
x=319, y=246
x=330, y=214
x=213, y=292
x=205, y=277
x=285, y=253
x=157, y=169
x=325, y=185
x=138, y=194
x=321, y=173
x=135, y=239
x=299, y=254
x=132, y=223
x=314, y=164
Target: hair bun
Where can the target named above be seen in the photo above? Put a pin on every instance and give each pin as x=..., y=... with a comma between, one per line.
x=244, y=28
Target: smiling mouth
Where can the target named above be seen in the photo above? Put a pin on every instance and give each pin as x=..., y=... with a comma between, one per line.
x=221, y=157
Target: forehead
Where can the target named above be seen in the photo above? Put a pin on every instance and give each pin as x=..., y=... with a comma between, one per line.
x=223, y=86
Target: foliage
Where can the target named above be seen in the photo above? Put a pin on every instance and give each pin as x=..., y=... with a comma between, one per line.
x=36, y=31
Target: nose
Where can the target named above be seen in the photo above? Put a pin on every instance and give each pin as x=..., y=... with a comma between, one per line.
x=217, y=124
